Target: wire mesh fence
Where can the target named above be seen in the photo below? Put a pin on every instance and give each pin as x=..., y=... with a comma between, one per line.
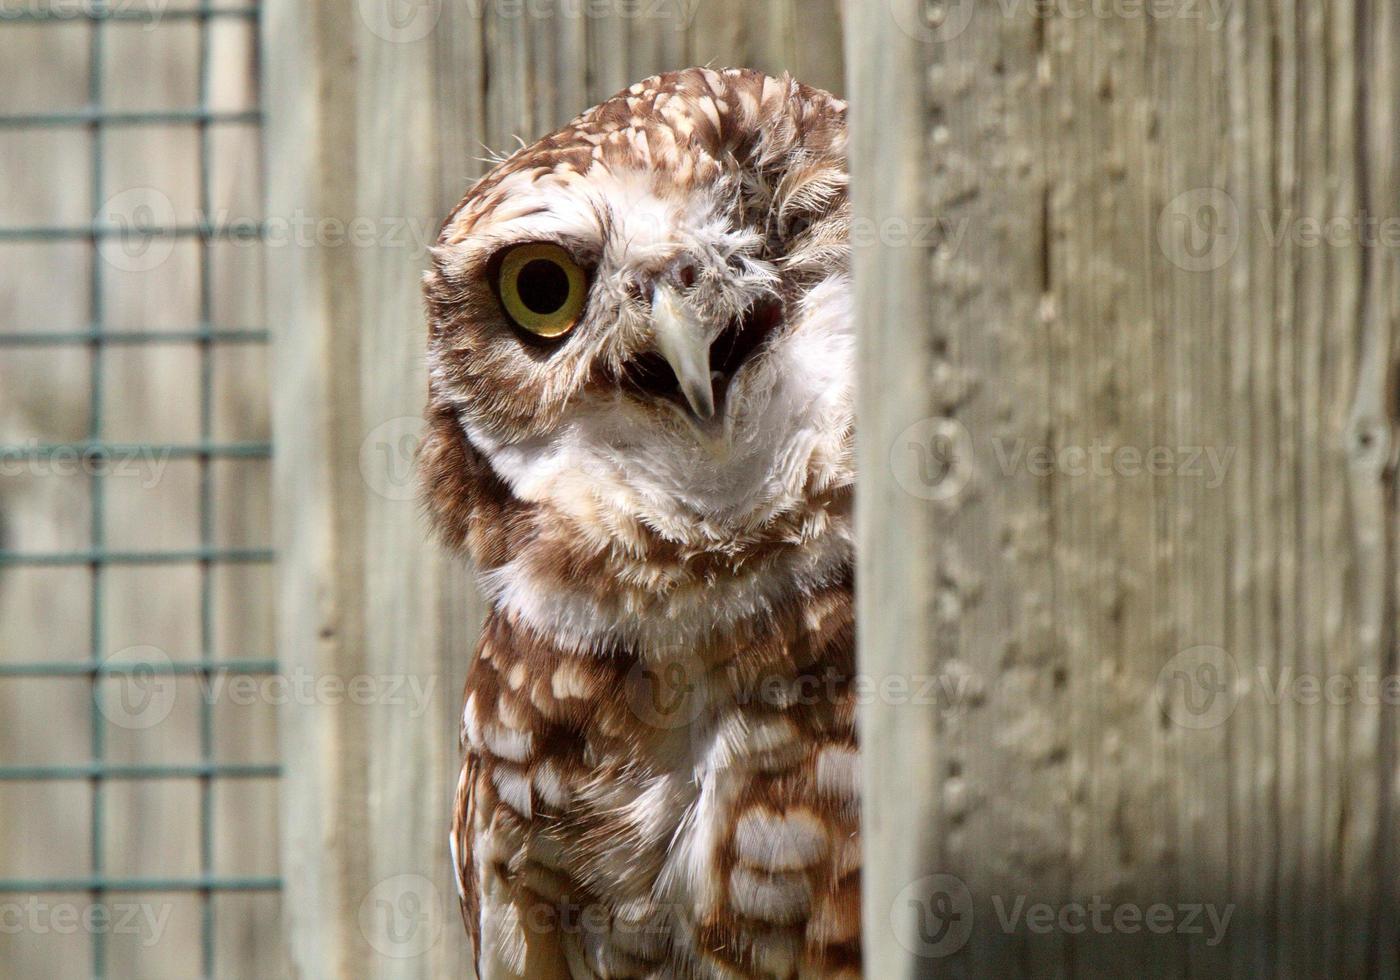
x=132, y=230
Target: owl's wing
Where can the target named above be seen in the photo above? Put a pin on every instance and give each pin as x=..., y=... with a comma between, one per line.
x=513, y=933
x=463, y=862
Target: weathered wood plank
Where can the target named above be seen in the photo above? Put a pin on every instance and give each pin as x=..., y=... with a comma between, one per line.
x=1148, y=197
x=370, y=132
x=897, y=583
x=412, y=758
x=309, y=80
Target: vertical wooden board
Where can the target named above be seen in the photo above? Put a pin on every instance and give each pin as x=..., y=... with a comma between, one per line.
x=510, y=92
x=1190, y=305
x=1269, y=354
x=717, y=35
x=555, y=38
x=311, y=169
x=413, y=650
x=817, y=55
x=773, y=35
x=746, y=34
x=1112, y=561
x=805, y=39
x=463, y=119
x=656, y=37
x=902, y=748
x=570, y=62
x=1253, y=425
x=1310, y=411
x=1008, y=782
x=610, y=67
x=1372, y=441
x=1349, y=732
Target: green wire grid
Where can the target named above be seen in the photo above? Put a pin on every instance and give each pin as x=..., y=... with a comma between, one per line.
x=205, y=337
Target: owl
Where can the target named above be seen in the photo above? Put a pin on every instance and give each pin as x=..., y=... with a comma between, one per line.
x=640, y=427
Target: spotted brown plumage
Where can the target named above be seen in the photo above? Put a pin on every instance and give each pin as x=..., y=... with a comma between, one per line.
x=660, y=775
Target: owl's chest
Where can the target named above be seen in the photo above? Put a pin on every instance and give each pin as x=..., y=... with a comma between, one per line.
x=673, y=811
x=653, y=824
x=712, y=829
x=658, y=808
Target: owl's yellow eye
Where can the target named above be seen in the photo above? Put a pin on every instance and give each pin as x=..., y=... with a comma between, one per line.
x=543, y=289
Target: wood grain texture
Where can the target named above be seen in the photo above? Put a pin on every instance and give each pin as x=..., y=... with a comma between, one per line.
x=1139, y=207
x=318, y=491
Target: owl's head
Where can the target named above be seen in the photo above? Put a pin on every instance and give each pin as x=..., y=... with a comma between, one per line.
x=640, y=325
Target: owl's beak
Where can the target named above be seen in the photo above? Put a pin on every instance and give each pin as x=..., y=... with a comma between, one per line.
x=682, y=340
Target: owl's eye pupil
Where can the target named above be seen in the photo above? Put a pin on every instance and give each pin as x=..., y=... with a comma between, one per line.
x=543, y=289
x=543, y=286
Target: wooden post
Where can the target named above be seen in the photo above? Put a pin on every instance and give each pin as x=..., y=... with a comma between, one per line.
x=1128, y=486
x=366, y=146
x=317, y=490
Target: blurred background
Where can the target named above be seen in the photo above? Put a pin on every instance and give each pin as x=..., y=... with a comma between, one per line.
x=138, y=803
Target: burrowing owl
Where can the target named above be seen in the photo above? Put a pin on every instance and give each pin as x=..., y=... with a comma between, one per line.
x=640, y=430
